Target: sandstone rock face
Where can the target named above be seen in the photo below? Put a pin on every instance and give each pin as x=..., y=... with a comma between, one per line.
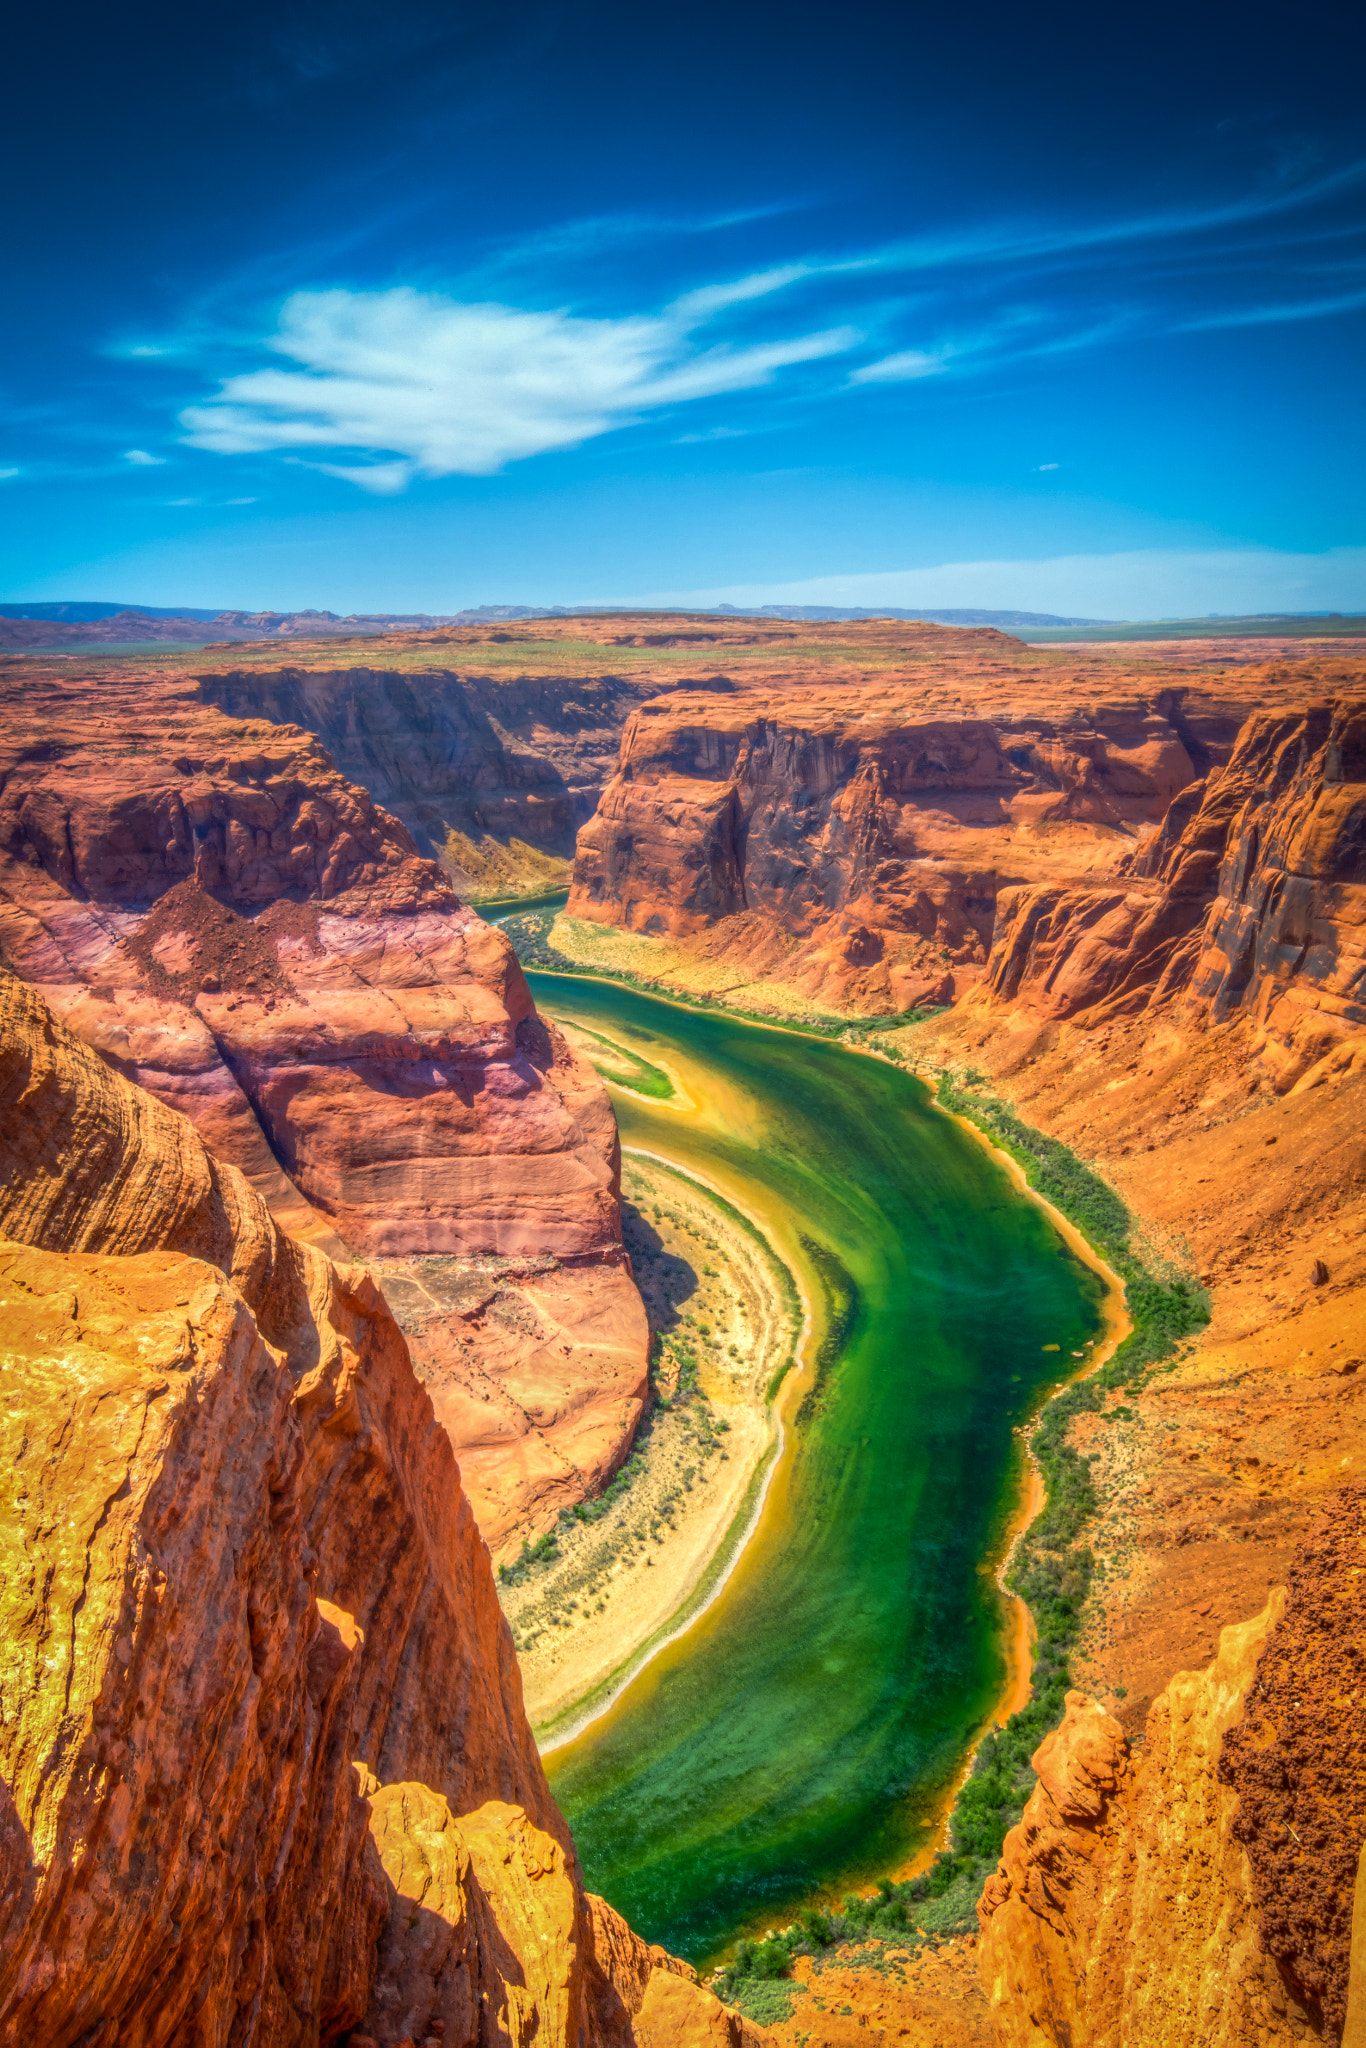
x=1250, y=900
x=1297, y=1762
x=1122, y=1909
x=874, y=825
x=266, y=1772
x=534, y=1369
x=237, y=928
x=462, y=758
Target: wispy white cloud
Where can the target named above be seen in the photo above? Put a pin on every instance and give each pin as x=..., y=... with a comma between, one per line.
x=6, y=474
x=720, y=433
x=140, y=459
x=437, y=387
x=900, y=368
x=1015, y=240
x=596, y=235
x=1139, y=583
x=377, y=387
x=1013, y=334
x=1273, y=315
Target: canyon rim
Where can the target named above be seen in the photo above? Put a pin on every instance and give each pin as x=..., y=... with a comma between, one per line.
x=306, y=1203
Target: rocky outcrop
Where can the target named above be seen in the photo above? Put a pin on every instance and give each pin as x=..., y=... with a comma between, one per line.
x=1122, y=1910
x=267, y=1775
x=874, y=826
x=1297, y=1763
x=484, y=770
x=1249, y=901
x=237, y=928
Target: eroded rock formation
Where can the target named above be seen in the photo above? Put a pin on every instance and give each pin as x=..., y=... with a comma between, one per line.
x=857, y=838
x=1297, y=1763
x=1122, y=1910
x=1249, y=900
x=476, y=765
x=266, y=1773
x=236, y=927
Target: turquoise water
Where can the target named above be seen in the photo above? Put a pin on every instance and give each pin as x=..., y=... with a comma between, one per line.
x=797, y=1738
x=498, y=907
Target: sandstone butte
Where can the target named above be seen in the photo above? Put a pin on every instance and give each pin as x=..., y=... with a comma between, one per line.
x=1139, y=882
x=237, y=928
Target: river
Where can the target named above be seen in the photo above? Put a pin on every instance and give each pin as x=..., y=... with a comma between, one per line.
x=802, y=1735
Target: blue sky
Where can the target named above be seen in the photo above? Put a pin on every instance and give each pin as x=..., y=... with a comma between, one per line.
x=405, y=307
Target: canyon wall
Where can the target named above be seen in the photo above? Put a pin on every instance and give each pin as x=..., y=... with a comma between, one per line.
x=266, y=1775
x=1200, y=1888
x=1123, y=1908
x=1296, y=1762
x=1168, y=978
x=485, y=771
x=236, y=927
x=859, y=836
x=1250, y=900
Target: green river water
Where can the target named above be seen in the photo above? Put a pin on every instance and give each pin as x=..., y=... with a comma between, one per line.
x=796, y=1738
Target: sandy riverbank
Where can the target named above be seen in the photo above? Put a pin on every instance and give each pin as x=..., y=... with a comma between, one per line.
x=667, y=967
x=725, y=1325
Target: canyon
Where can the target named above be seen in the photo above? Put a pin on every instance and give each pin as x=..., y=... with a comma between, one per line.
x=267, y=1773
x=245, y=933
x=1121, y=894
x=860, y=841
x=492, y=775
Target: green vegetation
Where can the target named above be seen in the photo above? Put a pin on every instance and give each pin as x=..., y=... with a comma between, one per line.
x=545, y=1550
x=594, y=1510
x=901, y=1914
x=947, y=1272
x=530, y=936
x=1163, y=1312
x=534, y=1556
x=496, y=908
x=618, y=1063
x=841, y=1308
x=765, y=2000
x=1281, y=625
x=1052, y=1571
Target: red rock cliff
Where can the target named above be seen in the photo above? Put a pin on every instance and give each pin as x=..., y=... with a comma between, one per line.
x=1248, y=902
x=1297, y=1763
x=236, y=927
x=1123, y=1910
x=874, y=824
x=267, y=1776
x=453, y=752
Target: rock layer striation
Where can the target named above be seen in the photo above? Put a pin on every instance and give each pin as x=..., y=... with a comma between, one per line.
x=1249, y=900
x=236, y=927
x=486, y=771
x=1122, y=1909
x=266, y=1775
x=857, y=839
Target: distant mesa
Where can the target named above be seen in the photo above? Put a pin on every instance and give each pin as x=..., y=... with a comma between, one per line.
x=51, y=626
